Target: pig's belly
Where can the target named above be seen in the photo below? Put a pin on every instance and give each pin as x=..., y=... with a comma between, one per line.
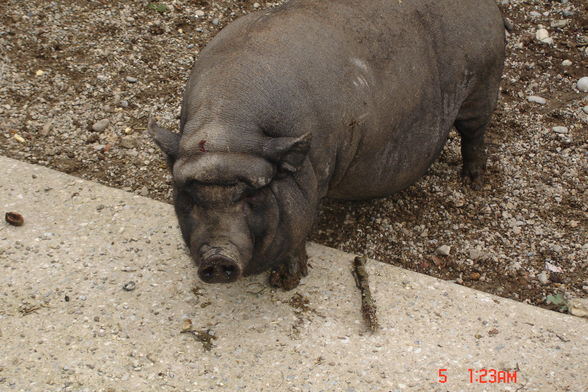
x=387, y=166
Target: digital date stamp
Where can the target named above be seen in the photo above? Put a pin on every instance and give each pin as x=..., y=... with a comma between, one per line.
x=483, y=376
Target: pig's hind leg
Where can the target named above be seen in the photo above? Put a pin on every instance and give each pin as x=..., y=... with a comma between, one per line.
x=472, y=120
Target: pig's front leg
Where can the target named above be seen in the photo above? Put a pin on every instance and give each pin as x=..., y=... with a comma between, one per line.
x=287, y=274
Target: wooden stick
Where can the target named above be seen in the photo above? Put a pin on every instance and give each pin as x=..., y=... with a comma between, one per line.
x=368, y=305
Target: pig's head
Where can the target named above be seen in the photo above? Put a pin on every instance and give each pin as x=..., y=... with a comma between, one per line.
x=240, y=213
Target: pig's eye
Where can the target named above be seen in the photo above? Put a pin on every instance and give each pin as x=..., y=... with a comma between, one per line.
x=252, y=195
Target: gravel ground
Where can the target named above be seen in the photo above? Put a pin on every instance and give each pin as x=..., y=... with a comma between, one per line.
x=79, y=78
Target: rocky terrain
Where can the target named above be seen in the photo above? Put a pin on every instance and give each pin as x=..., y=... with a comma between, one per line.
x=79, y=78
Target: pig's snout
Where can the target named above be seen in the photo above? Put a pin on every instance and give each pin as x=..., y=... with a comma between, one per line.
x=218, y=267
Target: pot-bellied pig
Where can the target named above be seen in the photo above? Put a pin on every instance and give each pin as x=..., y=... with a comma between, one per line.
x=349, y=99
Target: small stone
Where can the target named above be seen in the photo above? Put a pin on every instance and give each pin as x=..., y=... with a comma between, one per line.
x=541, y=35
x=567, y=13
x=144, y=191
x=537, y=99
x=215, y=21
x=566, y=63
x=555, y=277
x=443, y=250
x=543, y=277
x=585, y=109
x=560, y=130
x=128, y=142
x=40, y=72
x=535, y=14
x=582, y=84
x=130, y=286
x=18, y=138
x=552, y=267
x=559, y=23
x=131, y=79
x=46, y=128
x=92, y=138
x=475, y=276
x=14, y=218
x=477, y=254
x=256, y=5
x=101, y=125
x=578, y=307
x=199, y=13
x=67, y=165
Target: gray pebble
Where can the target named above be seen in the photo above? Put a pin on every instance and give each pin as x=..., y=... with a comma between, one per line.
x=567, y=13
x=215, y=21
x=542, y=35
x=578, y=307
x=477, y=254
x=131, y=79
x=101, y=125
x=443, y=250
x=582, y=84
x=585, y=109
x=130, y=286
x=543, y=277
x=128, y=142
x=46, y=128
x=559, y=23
x=560, y=130
x=537, y=99
x=535, y=14
x=144, y=191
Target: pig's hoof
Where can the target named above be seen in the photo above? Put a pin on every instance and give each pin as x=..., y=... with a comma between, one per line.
x=287, y=275
x=473, y=176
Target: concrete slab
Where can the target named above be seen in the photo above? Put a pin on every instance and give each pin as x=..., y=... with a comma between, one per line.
x=68, y=324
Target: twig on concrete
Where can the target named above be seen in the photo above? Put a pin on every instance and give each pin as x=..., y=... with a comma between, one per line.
x=368, y=305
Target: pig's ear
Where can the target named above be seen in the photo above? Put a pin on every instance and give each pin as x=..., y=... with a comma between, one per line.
x=288, y=152
x=168, y=141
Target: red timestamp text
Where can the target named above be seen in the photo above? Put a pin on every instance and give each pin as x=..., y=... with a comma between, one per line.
x=492, y=376
x=484, y=376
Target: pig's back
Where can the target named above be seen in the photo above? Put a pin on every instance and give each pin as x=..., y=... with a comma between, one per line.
x=379, y=82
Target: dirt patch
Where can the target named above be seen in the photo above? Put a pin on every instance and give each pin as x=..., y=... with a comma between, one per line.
x=68, y=64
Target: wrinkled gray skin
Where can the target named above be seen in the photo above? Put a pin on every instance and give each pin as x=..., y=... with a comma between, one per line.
x=350, y=99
